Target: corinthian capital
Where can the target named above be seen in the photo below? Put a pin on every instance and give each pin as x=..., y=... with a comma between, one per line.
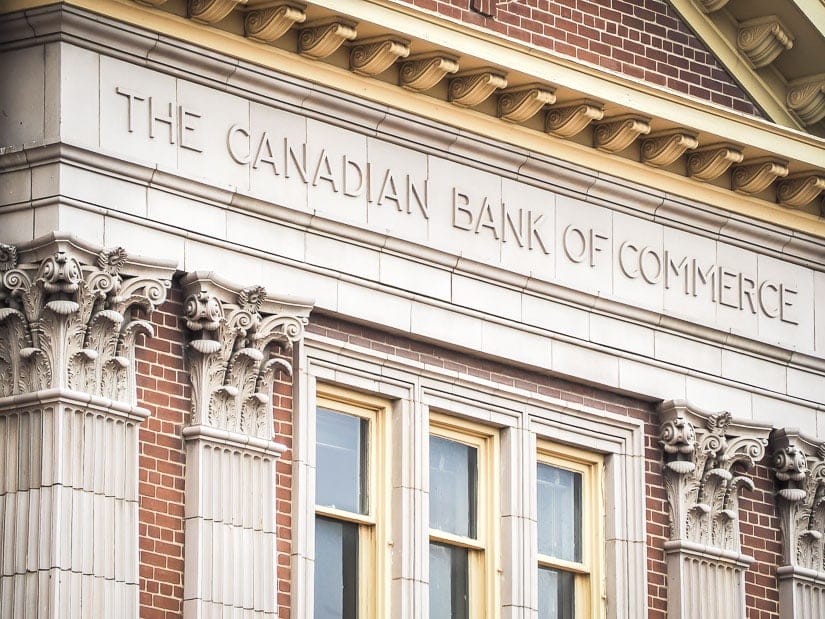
x=236, y=336
x=70, y=314
x=703, y=453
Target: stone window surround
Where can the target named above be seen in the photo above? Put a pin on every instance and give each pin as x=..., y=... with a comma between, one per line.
x=522, y=418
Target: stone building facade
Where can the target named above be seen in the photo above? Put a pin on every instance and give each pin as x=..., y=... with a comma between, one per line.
x=402, y=309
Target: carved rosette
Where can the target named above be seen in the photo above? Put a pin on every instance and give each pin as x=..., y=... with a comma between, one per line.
x=319, y=39
x=706, y=164
x=374, y=56
x=755, y=176
x=806, y=97
x=701, y=462
x=212, y=11
x=800, y=189
x=799, y=467
x=711, y=6
x=617, y=133
x=473, y=87
x=70, y=320
x=233, y=352
x=521, y=103
x=569, y=119
x=662, y=149
x=424, y=71
x=271, y=23
x=761, y=40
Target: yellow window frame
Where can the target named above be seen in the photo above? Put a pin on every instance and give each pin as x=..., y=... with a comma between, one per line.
x=483, y=550
x=588, y=574
x=374, y=542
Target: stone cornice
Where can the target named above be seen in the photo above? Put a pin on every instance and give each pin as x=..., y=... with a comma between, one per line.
x=234, y=337
x=70, y=315
x=569, y=78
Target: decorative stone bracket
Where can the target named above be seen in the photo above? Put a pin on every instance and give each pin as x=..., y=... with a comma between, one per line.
x=762, y=39
x=615, y=134
x=231, y=354
x=70, y=315
x=704, y=454
x=798, y=463
x=568, y=119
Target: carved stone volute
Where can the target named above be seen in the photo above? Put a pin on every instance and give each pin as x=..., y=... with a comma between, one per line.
x=70, y=315
x=235, y=338
x=704, y=458
x=798, y=463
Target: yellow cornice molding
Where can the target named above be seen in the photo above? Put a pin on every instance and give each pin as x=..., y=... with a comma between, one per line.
x=725, y=125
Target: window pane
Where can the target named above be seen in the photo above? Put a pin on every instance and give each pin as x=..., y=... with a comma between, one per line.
x=448, y=582
x=340, y=457
x=559, y=513
x=453, y=487
x=556, y=594
x=336, y=569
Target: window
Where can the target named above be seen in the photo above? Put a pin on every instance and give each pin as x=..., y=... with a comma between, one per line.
x=570, y=539
x=350, y=513
x=463, y=515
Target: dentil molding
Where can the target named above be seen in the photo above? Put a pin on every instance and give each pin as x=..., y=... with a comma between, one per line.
x=70, y=315
x=704, y=455
x=232, y=352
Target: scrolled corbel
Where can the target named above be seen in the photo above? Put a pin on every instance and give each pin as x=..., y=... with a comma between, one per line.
x=374, y=56
x=615, y=134
x=568, y=119
x=797, y=190
x=806, y=98
x=319, y=39
x=271, y=23
x=521, y=103
x=662, y=149
x=423, y=71
x=710, y=162
x=762, y=39
x=711, y=6
x=212, y=11
x=473, y=87
x=756, y=175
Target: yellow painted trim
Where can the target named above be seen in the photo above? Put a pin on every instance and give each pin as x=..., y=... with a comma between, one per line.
x=483, y=551
x=724, y=124
x=375, y=542
x=589, y=574
x=724, y=48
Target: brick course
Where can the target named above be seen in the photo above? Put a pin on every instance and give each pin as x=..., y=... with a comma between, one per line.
x=644, y=39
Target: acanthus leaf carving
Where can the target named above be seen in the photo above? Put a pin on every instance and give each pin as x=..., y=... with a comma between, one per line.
x=710, y=162
x=615, y=134
x=233, y=352
x=320, y=39
x=762, y=39
x=798, y=465
x=756, y=175
x=423, y=71
x=806, y=97
x=68, y=320
x=703, y=470
x=374, y=56
x=662, y=149
x=473, y=87
x=271, y=23
x=568, y=119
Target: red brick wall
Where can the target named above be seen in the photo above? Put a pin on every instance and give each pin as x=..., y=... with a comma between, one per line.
x=642, y=39
x=163, y=388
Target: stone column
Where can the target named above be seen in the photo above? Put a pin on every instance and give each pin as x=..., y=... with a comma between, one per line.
x=235, y=337
x=70, y=315
x=798, y=464
x=702, y=454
